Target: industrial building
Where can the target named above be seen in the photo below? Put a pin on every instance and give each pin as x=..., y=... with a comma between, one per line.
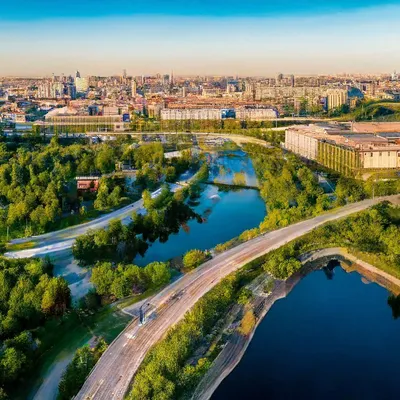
x=345, y=151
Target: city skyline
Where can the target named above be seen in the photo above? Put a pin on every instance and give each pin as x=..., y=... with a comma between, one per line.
x=313, y=40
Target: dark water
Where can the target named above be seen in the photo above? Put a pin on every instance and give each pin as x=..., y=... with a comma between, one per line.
x=227, y=213
x=329, y=339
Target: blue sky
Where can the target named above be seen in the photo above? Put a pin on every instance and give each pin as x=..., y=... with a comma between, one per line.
x=41, y=9
x=198, y=37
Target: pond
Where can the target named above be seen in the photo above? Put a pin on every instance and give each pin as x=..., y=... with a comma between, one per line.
x=329, y=339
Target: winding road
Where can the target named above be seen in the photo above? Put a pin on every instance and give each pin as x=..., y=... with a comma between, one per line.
x=111, y=377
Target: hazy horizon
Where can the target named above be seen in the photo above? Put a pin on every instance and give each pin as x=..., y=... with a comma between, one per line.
x=103, y=37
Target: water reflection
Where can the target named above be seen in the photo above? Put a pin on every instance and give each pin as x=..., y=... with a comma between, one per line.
x=329, y=269
x=226, y=213
x=394, y=304
x=329, y=339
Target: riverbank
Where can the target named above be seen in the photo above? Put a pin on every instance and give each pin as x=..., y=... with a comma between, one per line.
x=214, y=205
x=237, y=344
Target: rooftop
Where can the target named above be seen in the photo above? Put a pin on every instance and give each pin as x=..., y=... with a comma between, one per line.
x=341, y=135
x=390, y=135
x=364, y=138
x=376, y=127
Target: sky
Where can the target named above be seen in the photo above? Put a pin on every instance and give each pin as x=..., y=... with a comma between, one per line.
x=191, y=37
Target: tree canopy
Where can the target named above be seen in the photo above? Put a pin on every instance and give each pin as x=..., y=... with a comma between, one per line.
x=28, y=295
x=193, y=258
x=125, y=280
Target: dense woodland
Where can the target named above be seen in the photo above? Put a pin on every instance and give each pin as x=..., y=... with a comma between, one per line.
x=38, y=188
x=37, y=182
x=127, y=279
x=29, y=295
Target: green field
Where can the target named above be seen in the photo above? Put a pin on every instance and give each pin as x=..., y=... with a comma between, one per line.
x=388, y=111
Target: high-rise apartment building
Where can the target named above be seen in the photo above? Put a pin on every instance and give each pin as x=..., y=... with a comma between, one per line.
x=81, y=84
x=336, y=98
x=44, y=90
x=133, y=87
x=57, y=90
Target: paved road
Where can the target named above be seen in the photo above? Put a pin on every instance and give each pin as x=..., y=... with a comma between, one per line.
x=65, y=238
x=115, y=370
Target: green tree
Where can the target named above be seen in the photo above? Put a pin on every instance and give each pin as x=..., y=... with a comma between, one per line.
x=101, y=202
x=170, y=174
x=103, y=276
x=12, y=364
x=57, y=297
x=152, y=153
x=147, y=200
x=193, y=258
x=115, y=197
x=158, y=273
x=248, y=323
x=78, y=369
x=105, y=159
x=84, y=248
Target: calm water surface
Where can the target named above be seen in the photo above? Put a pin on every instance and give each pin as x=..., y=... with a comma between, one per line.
x=329, y=339
x=225, y=165
x=227, y=213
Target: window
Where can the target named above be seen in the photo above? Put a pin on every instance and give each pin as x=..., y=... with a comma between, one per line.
x=380, y=154
x=372, y=154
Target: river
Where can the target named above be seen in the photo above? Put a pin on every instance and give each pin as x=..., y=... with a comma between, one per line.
x=329, y=339
x=226, y=213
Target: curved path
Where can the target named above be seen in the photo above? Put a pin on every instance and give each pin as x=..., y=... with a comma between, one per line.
x=111, y=377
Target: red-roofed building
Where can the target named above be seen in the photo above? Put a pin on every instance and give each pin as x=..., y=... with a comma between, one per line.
x=87, y=183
